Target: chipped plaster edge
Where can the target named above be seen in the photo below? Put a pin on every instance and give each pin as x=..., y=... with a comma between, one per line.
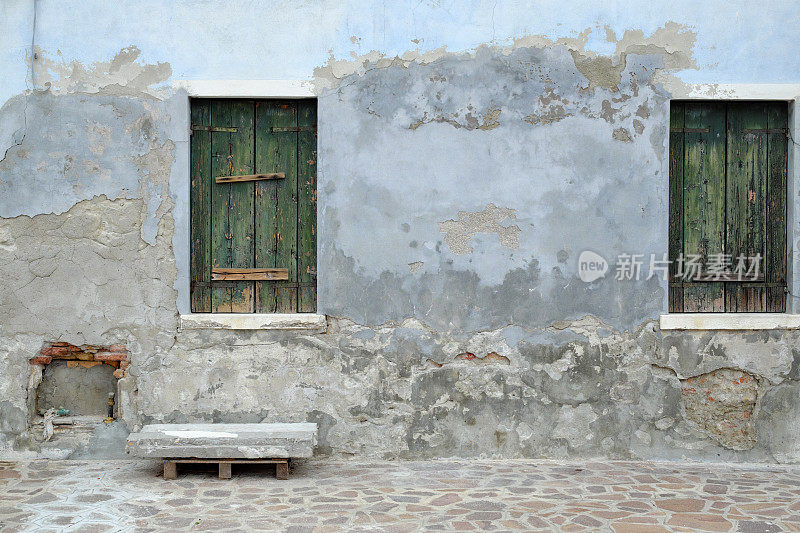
x=673, y=38
x=728, y=321
x=736, y=91
x=246, y=88
x=275, y=321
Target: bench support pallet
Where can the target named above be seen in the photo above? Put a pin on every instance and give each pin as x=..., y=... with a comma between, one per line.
x=281, y=466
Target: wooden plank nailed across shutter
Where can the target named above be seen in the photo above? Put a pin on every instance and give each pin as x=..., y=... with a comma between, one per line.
x=728, y=277
x=704, y=198
x=250, y=177
x=249, y=274
x=203, y=127
x=309, y=128
x=677, y=129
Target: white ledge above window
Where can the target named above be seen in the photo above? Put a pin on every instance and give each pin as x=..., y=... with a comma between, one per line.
x=728, y=321
x=308, y=322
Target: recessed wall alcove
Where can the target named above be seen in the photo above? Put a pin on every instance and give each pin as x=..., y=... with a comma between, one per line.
x=78, y=381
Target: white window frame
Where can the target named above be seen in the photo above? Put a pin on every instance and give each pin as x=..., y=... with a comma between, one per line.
x=788, y=92
x=250, y=89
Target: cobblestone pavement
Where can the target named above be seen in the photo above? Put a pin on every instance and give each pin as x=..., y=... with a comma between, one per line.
x=401, y=496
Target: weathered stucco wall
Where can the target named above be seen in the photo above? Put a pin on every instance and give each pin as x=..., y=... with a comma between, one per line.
x=458, y=182
x=495, y=157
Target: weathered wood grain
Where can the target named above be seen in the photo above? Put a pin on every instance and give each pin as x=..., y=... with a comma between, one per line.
x=286, y=231
x=220, y=202
x=752, y=200
x=200, y=208
x=307, y=207
x=704, y=197
x=241, y=208
x=295, y=128
x=272, y=153
x=261, y=207
x=676, y=158
x=745, y=199
x=775, y=264
x=251, y=274
x=201, y=127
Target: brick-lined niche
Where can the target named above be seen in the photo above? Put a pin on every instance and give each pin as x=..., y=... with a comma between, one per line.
x=85, y=356
x=73, y=387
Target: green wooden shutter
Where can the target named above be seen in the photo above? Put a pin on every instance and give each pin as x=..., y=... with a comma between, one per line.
x=728, y=195
x=676, y=158
x=775, y=266
x=746, y=198
x=704, y=198
x=259, y=220
x=276, y=152
x=307, y=207
x=200, y=200
x=286, y=206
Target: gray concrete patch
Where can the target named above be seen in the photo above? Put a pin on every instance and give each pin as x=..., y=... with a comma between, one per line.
x=83, y=391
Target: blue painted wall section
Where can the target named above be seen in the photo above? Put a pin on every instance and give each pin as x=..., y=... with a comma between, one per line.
x=468, y=153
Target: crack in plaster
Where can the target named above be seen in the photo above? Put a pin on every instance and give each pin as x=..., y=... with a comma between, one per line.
x=489, y=121
x=16, y=143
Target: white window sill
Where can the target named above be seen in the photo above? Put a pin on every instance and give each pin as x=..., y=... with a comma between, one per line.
x=308, y=322
x=728, y=321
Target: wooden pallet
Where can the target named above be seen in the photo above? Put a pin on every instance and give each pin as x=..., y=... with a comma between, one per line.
x=171, y=466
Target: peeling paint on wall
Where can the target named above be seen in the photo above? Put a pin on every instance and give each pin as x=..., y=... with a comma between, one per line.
x=489, y=121
x=440, y=343
x=459, y=232
x=560, y=160
x=92, y=132
x=122, y=75
x=621, y=134
x=673, y=43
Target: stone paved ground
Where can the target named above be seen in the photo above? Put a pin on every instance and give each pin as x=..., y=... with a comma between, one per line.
x=401, y=496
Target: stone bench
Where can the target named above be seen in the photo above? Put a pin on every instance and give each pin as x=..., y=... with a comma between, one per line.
x=224, y=444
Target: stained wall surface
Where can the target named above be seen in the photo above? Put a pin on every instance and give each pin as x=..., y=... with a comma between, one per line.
x=467, y=155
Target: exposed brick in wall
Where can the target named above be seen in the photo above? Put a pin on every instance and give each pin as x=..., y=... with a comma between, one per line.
x=469, y=357
x=115, y=355
x=722, y=403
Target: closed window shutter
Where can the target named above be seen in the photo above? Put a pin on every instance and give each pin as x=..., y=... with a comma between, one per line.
x=728, y=196
x=253, y=201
